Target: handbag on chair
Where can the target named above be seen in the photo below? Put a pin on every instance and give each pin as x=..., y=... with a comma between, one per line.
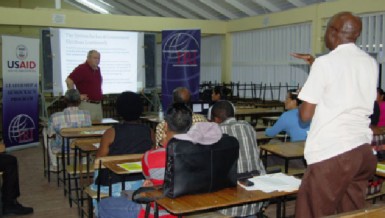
x=195, y=168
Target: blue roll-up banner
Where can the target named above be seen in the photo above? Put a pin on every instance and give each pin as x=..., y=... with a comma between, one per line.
x=180, y=63
x=20, y=91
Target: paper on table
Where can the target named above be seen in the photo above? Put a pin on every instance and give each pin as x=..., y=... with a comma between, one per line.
x=381, y=167
x=94, y=132
x=134, y=167
x=97, y=145
x=274, y=182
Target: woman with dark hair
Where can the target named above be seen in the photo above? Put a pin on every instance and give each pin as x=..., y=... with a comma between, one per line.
x=289, y=121
x=381, y=104
x=128, y=137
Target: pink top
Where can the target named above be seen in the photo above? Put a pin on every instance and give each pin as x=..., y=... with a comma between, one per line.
x=381, y=121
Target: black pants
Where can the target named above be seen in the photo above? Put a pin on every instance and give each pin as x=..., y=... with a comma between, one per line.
x=10, y=189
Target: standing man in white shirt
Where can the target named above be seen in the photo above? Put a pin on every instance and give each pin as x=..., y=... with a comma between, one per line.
x=338, y=97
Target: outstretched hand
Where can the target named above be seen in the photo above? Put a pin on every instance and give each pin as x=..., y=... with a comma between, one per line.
x=306, y=57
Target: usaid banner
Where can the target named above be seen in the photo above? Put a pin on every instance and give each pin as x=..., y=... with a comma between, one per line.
x=180, y=63
x=20, y=90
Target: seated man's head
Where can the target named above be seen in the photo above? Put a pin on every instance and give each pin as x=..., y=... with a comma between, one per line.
x=181, y=95
x=221, y=111
x=72, y=98
x=129, y=105
x=219, y=93
x=178, y=119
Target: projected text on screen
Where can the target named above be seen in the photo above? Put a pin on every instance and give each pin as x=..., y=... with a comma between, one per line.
x=118, y=63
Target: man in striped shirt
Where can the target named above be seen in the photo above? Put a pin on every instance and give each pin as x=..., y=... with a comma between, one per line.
x=223, y=114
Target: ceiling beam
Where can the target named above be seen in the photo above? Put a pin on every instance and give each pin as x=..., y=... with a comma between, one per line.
x=139, y=9
x=268, y=5
x=177, y=9
x=242, y=7
x=219, y=8
x=156, y=8
x=194, y=8
x=297, y=3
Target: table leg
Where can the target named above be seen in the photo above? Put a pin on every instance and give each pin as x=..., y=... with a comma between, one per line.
x=286, y=166
x=279, y=207
x=63, y=164
x=156, y=211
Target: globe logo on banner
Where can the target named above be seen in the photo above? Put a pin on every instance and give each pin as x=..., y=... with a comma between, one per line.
x=177, y=50
x=180, y=63
x=21, y=128
x=21, y=52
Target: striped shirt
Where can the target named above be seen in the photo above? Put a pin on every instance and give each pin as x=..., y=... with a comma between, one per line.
x=248, y=160
x=70, y=117
x=153, y=167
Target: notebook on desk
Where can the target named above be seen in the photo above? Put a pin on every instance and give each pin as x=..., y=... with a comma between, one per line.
x=380, y=168
x=134, y=167
x=96, y=132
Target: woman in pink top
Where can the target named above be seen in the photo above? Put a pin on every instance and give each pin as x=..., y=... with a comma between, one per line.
x=381, y=104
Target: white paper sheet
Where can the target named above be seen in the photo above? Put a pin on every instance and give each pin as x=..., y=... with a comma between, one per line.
x=274, y=182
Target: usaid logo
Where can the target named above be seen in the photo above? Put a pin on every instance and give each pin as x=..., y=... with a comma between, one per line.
x=21, y=54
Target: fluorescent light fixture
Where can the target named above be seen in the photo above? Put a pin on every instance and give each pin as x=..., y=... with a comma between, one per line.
x=103, y=2
x=93, y=6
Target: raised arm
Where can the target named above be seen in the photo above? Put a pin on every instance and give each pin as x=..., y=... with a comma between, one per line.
x=308, y=58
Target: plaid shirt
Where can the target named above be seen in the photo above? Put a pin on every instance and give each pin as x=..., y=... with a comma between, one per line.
x=160, y=133
x=71, y=117
x=248, y=160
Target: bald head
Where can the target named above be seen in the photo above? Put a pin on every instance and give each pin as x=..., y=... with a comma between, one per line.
x=342, y=28
x=181, y=95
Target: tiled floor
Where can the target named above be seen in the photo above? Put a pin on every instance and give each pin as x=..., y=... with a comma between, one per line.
x=46, y=198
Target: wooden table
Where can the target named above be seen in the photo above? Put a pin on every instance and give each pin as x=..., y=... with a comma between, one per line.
x=269, y=121
x=70, y=133
x=152, y=119
x=287, y=151
x=217, y=200
x=112, y=166
x=85, y=146
x=262, y=138
x=105, y=121
x=256, y=113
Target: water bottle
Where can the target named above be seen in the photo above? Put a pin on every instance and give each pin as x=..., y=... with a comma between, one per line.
x=160, y=113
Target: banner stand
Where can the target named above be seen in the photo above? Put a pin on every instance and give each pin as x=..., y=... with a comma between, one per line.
x=20, y=59
x=180, y=63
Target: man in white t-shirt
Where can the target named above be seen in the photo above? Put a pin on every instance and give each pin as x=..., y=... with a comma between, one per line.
x=338, y=97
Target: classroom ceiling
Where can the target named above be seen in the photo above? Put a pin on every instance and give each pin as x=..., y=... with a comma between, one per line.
x=190, y=9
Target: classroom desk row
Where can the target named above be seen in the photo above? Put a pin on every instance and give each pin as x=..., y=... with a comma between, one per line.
x=190, y=203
